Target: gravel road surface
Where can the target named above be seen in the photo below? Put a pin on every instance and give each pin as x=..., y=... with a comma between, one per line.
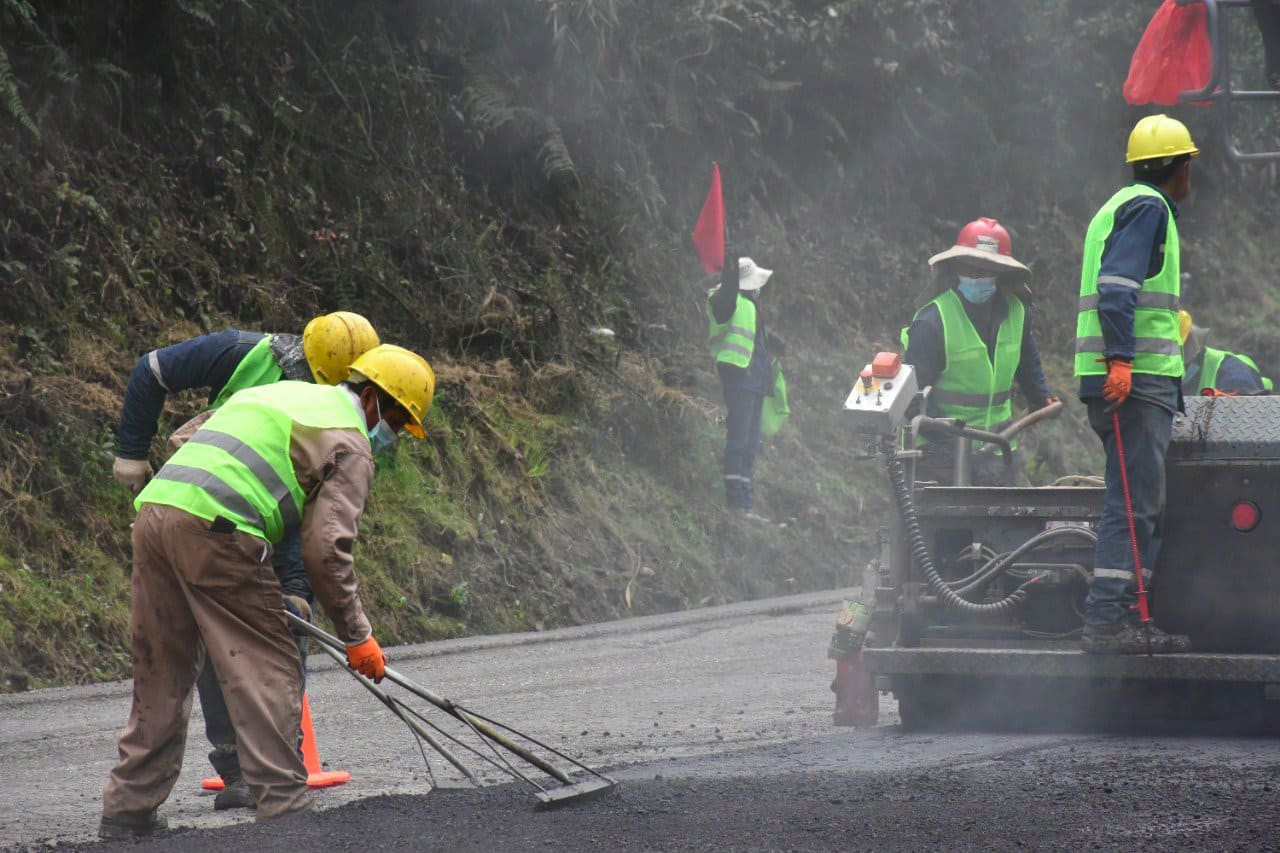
x=717, y=722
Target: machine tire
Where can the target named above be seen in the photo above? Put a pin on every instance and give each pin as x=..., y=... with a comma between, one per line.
x=918, y=707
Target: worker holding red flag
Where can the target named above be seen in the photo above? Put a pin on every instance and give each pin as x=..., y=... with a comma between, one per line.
x=744, y=351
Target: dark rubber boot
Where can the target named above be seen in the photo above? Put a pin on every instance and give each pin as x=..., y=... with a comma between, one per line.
x=236, y=794
x=125, y=829
x=1131, y=639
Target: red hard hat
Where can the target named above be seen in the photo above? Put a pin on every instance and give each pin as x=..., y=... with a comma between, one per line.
x=984, y=244
x=980, y=233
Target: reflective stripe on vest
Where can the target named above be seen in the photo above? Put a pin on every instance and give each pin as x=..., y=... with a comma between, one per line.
x=258, y=367
x=262, y=469
x=238, y=465
x=971, y=388
x=733, y=342
x=1157, y=347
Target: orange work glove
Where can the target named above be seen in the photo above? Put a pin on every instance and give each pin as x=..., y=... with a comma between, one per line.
x=1119, y=381
x=367, y=659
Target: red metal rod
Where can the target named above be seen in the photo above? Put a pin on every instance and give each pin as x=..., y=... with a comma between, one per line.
x=1144, y=613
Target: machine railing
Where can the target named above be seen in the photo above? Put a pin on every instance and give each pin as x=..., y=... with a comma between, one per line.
x=1219, y=89
x=965, y=435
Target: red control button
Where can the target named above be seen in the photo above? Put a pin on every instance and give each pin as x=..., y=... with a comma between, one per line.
x=886, y=365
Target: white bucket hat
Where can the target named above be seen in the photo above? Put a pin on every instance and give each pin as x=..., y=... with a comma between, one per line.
x=750, y=276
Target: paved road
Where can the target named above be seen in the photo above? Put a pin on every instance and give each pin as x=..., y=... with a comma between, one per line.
x=731, y=697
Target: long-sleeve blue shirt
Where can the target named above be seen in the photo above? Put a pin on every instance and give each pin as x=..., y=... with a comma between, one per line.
x=927, y=353
x=1133, y=253
x=204, y=362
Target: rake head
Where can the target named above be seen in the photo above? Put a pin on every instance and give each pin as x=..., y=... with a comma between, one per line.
x=587, y=789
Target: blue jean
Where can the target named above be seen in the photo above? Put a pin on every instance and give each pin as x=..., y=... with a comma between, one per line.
x=742, y=440
x=287, y=562
x=1145, y=428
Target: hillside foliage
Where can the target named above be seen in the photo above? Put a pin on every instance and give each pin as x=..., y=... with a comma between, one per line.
x=492, y=184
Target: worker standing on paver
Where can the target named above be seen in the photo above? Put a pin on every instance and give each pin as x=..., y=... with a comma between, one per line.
x=971, y=342
x=270, y=462
x=743, y=351
x=1209, y=370
x=226, y=362
x=1129, y=360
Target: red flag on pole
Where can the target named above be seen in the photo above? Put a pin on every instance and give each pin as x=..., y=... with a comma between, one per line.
x=708, y=234
x=1174, y=56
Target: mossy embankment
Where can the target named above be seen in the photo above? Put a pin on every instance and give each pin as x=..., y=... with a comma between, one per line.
x=490, y=183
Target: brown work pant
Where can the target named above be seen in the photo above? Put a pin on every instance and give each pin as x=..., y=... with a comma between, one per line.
x=191, y=584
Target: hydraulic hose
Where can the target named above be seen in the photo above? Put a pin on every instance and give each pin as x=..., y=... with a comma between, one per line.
x=920, y=551
x=994, y=567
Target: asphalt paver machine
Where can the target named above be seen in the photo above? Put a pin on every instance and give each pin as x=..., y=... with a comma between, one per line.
x=971, y=612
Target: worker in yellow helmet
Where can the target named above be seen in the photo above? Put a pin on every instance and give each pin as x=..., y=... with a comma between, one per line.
x=1129, y=361
x=224, y=363
x=293, y=459
x=1209, y=370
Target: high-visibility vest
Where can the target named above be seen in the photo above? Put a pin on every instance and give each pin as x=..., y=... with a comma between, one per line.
x=972, y=388
x=733, y=342
x=1158, y=348
x=258, y=367
x=237, y=465
x=1213, y=359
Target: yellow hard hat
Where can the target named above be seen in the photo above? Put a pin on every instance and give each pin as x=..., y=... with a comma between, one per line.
x=1184, y=325
x=332, y=342
x=1158, y=136
x=404, y=375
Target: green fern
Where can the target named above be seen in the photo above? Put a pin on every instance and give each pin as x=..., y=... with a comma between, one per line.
x=22, y=10
x=486, y=104
x=12, y=100
x=83, y=201
x=557, y=163
x=201, y=10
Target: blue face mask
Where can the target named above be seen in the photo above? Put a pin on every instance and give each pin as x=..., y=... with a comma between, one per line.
x=977, y=290
x=381, y=438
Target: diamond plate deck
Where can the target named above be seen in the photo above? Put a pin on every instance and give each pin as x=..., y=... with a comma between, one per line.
x=1072, y=664
x=1227, y=428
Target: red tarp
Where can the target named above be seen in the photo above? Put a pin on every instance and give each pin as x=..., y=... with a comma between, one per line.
x=1173, y=57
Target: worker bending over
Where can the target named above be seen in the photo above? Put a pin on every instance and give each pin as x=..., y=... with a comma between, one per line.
x=1211, y=371
x=224, y=363
x=970, y=343
x=1129, y=360
x=272, y=461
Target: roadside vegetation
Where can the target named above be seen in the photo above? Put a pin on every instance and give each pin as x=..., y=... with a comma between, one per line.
x=493, y=185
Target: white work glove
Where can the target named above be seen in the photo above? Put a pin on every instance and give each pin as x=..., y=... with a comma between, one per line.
x=132, y=473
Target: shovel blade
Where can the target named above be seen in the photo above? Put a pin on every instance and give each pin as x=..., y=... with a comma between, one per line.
x=587, y=789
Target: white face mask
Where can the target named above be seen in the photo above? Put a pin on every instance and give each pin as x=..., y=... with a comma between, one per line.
x=382, y=437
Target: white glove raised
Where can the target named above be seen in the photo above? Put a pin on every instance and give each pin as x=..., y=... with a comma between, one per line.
x=133, y=474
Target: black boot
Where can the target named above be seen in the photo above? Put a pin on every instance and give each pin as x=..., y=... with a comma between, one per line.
x=128, y=828
x=1133, y=639
x=235, y=793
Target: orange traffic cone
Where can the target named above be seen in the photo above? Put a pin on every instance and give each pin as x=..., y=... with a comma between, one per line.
x=317, y=776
